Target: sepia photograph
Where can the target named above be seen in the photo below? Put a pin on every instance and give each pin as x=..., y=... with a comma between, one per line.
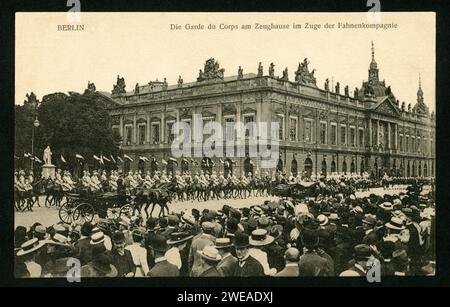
x=233, y=145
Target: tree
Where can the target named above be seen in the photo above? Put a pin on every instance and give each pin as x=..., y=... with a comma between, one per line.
x=24, y=118
x=76, y=124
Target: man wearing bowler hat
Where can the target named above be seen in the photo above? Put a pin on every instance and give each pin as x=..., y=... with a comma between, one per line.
x=120, y=257
x=228, y=264
x=162, y=267
x=311, y=264
x=248, y=266
x=362, y=254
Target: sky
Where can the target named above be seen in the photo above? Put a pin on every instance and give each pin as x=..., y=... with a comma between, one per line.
x=141, y=47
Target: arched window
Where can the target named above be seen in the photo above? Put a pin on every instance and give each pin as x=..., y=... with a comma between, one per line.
x=333, y=166
x=308, y=167
x=425, y=169
x=344, y=167
x=141, y=166
x=420, y=169
x=352, y=167
x=324, y=168
x=362, y=167
x=408, y=170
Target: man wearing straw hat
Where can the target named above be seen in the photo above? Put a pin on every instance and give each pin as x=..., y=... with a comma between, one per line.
x=28, y=252
x=177, y=254
x=210, y=257
x=258, y=240
x=229, y=264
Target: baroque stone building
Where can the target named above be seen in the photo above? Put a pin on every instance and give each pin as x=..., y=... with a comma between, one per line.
x=322, y=130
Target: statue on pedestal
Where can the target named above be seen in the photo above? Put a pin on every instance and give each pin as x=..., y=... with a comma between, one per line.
x=47, y=156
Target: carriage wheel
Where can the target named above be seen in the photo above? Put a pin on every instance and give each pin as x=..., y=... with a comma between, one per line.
x=84, y=213
x=126, y=210
x=66, y=213
x=113, y=212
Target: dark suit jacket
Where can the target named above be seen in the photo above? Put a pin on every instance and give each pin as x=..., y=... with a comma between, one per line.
x=311, y=264
x=275, y=256
x=251, y=268
x=211, y=272
x=289, y=271
x=371, y=238
x=228, y=266
x=83, y=250
x=164, y=269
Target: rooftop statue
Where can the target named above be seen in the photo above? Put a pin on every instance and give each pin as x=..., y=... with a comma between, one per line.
x=303, y=75
x=260, y=70
x=119, y=87
x=272, y=70
x=211, y=71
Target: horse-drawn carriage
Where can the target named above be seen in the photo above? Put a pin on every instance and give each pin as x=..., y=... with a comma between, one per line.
x=83, y=206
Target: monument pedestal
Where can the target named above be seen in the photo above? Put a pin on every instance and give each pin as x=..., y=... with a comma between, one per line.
x=48, y=171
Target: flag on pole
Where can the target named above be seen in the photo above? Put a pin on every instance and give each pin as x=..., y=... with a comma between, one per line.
x=221, y=161
x=26, y=155
x=128, y=157
x=213, y=163
x=106, y=159
x=173, y=159
x=78, y=156
x=112, y=158
x=96, y=158
x=101, y=160
x=119, y=158
x=62, y=159
x=164, y=162
x=37, y=159
x=143, y=158
x=31, y=157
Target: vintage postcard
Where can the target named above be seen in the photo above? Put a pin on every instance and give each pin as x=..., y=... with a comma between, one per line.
x=224, y=145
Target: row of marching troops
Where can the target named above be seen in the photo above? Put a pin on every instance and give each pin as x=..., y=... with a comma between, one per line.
x=101, y=180
x=333, y=236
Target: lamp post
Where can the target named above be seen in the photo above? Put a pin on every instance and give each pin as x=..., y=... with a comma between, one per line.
x=35, y=124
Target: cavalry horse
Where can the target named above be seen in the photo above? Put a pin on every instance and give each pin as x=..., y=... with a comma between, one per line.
x=160, y=195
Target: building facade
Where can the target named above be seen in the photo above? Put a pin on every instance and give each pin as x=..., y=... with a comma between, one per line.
x=322, y=130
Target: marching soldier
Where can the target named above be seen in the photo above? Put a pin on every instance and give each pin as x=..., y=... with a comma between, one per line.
x=248, y=164
x=68, y=184
x=95, y=181
x=184, y=165
x=153, y=165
